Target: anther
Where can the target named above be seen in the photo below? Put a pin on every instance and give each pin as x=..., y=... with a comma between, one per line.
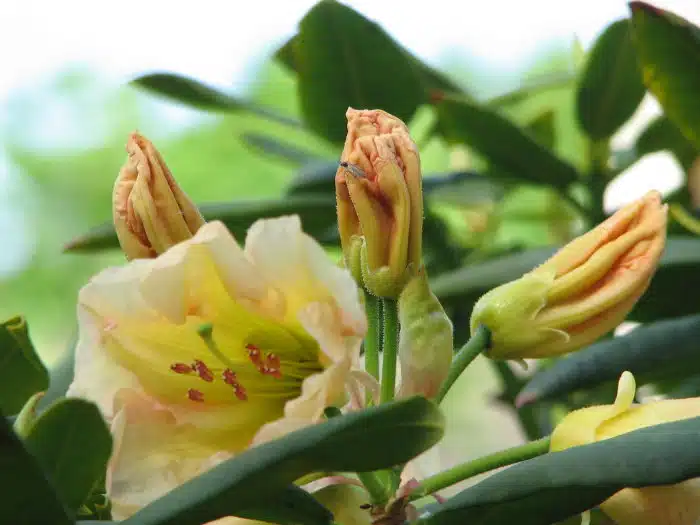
x=240, y=392
x=181, y=368
x=203, y=371
x=195, y=395
x=229, y=377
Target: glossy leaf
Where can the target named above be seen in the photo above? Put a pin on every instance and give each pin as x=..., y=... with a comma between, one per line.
x=507, y=147
x=668, y=47
x=611, y=84
x=372, y=439
x=651, y=352
x=195, y=94
x=22, y=374
x=27, y=496
x=558, y=485
x=72, y=443
x=662, y=134
x=317, y=215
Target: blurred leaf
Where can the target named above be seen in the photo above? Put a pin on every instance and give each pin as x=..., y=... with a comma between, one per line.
x=27, y=497
x=71, y=441
x=274, y=147
x=195, y=94
x=651, y=352
x=506, y=146
x=611, y=85
x=22, y=374
x=343, y=59
x=542, y=128
x=535, y=86
x=317, y=215
x=667, y=296
x=668, y=47
x=558, y=485
x=316, y=177
x=372, y=439
x=662, y=134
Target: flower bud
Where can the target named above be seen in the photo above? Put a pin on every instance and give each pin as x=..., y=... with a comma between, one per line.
x=671, y=505
x=582, y=292
x=151, y=213
x=425, y=339
x=379, y=196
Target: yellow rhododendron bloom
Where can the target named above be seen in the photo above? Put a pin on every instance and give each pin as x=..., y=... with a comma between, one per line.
x=210, y=347
x=582, y=292
x=664, y=505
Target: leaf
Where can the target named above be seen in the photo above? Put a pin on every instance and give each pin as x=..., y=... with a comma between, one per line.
x=22, y=374
x=558, y=485
x=195, y=94
x=542, y=128
x=275, y=147
x=611, y=87
x=668, y=47
x=372, y=439
x=31, y=500
x=538, y=85
x=506, y=146
x=317, y=214
x=343, y=59
x=662, y=134
x=651, y=352
x=72, y=443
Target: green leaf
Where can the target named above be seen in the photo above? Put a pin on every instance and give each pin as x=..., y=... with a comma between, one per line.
x=372, y=439
x=651, y=352
x=22, y=374
x=275, y=147
x=662, y=134
x=668, y=47
x=506, y=146
x=27, y=496
x=540, y=84
x=558, y=485
x=71, y=441
x=317, y=213
x=195, y=94
x=611, y=85
x=343, y=59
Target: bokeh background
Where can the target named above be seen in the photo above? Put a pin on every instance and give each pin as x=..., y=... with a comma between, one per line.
x=66, y=108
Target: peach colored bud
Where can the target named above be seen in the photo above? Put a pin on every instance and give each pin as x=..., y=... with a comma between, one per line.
x=582, y=292
x=151, y=213
x=380, y=199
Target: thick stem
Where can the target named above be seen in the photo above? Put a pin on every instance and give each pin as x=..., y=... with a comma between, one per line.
x=373, y=310
x=477, y=343
x=479, y=466
x=389, y=349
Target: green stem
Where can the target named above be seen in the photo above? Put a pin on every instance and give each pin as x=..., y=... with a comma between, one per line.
x=373, y=310
x=389, y=349
x=479, y=466
x=472, y=348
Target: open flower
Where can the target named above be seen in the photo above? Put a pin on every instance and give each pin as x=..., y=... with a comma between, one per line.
x=582, y=292
x=150, y=211
x=209, y=348
x=380, y=200
x=668, y=505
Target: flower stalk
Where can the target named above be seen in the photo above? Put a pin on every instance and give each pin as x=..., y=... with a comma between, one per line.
x=389, y=349
x=478, y=342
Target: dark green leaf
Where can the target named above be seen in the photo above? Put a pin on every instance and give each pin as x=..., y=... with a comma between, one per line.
x=315, y=178
x=538, y=85
x=345, y=60
x=506, y=146
x=662, y=134
x=274, y=147
x=558, y=485
x=317, y=215
x=372, y=439
x=655, y=351
x=668, y=47
x=26, y=497
x=71, y=441
x=611, y=85
x=193, y=93
x=22, y=374
x=542, y=128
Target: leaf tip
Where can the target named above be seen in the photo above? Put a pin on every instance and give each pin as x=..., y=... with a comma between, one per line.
x=639, y=7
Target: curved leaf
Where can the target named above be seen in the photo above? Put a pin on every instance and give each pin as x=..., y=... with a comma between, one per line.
x=22, y=374
x=668, y=47
x=652, y=352
x=558, y=485
x=376, y=438
x=662, y=134
x=611, y=85
x=275, y=147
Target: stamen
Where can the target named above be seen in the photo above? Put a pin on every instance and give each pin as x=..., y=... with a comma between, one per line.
x=181, y=368
x=240, y=392
x=203, y=371
x=254, y=354
x=229, y=377
x=195, y=395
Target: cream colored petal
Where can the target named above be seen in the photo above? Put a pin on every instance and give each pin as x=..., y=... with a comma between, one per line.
x=296, y=265
x=152, y=454
x=324, y=323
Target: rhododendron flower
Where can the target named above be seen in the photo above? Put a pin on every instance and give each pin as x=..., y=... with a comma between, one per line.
x=210, y=347
x=582, y=292
x=668, y=505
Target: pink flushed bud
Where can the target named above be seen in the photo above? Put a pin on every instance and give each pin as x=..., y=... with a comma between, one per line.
x=150, y=211
x=380, y=201
x=582, y=292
